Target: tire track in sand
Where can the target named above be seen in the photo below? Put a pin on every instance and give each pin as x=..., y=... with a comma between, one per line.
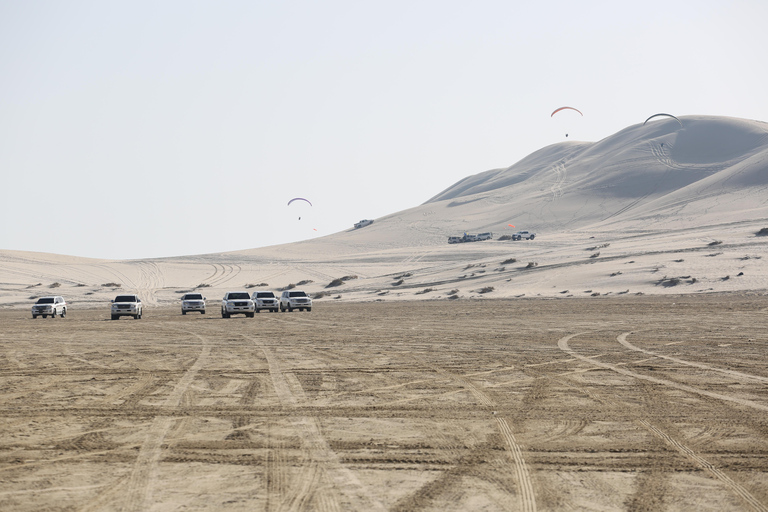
x=322, y=465
x=563, y=345
x=139, y=491
x=737, y=489
x=527, y=496
x=701, y=462
x=731, y=373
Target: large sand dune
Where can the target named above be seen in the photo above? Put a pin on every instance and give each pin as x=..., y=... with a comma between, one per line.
x=655, y=208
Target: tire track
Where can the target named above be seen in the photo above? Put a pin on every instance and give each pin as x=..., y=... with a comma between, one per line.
x=139, y=492
x=323, y=462
x=737, y=489
x=731, y=373
x=701, y=462
x=527, y=498
x=563, y=345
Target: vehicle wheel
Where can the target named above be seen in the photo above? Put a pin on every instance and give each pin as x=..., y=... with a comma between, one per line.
x=34, y=316
x=45, y=316
x=309, y=309
x=202, y=312
x=224, y=315
x=115, y=317
x=250, y=315
x=532, y=237
x=290, y=309
x=282, y=309
x=63, y=312
x=258, y=310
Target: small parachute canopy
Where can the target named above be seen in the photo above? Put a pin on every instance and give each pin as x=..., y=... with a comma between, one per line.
x=664, y=115
x=565, y=108
x=298, y=199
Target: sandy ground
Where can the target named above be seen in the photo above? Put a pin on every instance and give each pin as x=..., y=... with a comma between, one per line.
x=611, y=403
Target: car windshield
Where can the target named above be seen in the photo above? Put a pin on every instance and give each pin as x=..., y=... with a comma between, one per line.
x=125, y=298
x=265, y=295
x=192, y=296
x=297, y=294
x=239, y=295
x=45, y=300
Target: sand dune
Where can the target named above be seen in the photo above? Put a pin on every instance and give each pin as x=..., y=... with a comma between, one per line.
x=651, y=209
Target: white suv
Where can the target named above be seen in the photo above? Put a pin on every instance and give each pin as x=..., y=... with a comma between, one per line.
x=264, y=299
x=192, y=302
x=53, y=305
x=126, y=305
x=235, y=303
x=295, y=299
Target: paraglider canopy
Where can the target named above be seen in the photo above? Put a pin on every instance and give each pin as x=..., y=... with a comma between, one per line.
x=298, y=199
x=565, y=108
x=665, y=115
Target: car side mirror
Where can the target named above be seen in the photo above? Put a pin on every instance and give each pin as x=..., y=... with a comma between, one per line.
x=112, y=301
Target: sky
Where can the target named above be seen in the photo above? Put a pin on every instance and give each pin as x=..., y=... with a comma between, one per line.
x=145, y=129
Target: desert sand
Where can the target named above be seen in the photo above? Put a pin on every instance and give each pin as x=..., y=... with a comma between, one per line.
x=527, y=404
x=615, y=362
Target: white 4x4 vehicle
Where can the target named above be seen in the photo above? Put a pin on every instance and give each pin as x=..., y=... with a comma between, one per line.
x=192, y=302
x=295, y=299
x=126, y=305
x=54, y=305
x=523, y=234
x=265, y=300
x=235, y=303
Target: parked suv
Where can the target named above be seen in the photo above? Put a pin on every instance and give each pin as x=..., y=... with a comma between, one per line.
x=235, y=303
x=192, y=302
x=295, y=299
x=126, y=305
x=53, y=305
x=264, y=299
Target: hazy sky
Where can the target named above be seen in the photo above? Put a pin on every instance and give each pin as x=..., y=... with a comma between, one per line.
x=162, y=128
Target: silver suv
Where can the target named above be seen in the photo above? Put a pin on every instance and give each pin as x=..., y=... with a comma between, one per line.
x=53, y=305
x=126, y=305
x=264, y=299
x=295, y=299
x=235, y=303
x=192, y=302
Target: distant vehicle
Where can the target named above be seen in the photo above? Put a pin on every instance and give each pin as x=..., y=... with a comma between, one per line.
x=363, y=223
x=192, y=302
x=295, y=299
x=455, y=239
x=264, y=299
x=235, y=303
x=470, y=238
x=126, y=305
x=485, y=236
x=523, y=234
x=53, y=305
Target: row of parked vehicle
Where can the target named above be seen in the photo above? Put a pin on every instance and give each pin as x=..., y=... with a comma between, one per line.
x=233, y=303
